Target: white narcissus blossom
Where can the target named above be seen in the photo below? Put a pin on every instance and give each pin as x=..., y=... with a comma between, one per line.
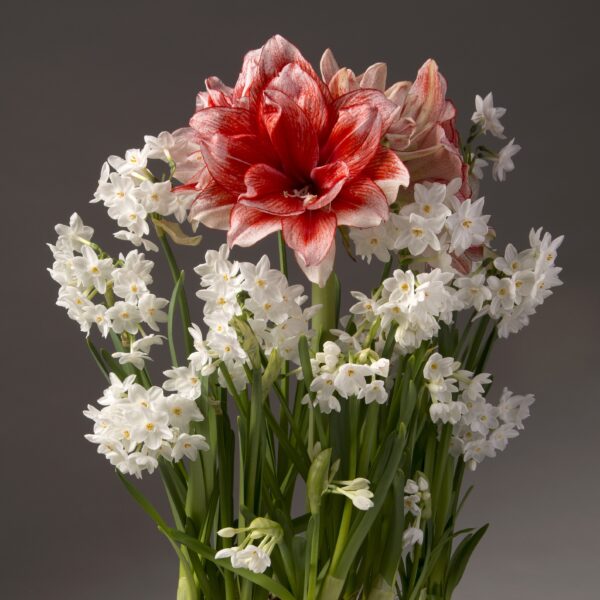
x=439, y=367
x=417, y=233
x=373, y=241
x=488, y=116
x=468, y=227
x=124, y=316
x=92, y=270
x=503, y=163
x=472, y=291
x=374, y=392
x=411, y=537
x=150, y=310
x=429, y=202
x=477, y=167
x=73, y=235
x=357, y=490
x=135, y=160
x=350, y=379
x=189, y=446
x=183, y=380
x=155, y=197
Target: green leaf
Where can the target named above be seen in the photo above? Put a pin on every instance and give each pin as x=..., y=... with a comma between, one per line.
x=171, y=318
x=264, y=581
x=461, y=557
x=97, y=357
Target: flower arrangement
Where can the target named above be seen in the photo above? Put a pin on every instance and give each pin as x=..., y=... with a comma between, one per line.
x=369, y=420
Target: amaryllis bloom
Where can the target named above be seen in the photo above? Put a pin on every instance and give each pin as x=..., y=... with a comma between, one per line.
x=423, y=131
x=281, y=152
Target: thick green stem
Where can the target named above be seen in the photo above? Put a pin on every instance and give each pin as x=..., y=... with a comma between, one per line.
x=328, y=297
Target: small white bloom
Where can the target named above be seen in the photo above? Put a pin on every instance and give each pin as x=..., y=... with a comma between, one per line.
x=503, y=162
x=488, y=115
x=124, y=316
x=467, y=225
x=91, y=270
x=188, y=445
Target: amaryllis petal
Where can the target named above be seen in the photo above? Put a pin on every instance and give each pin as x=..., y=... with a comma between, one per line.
x=276, y=54
x=281, y=204
x=320, y=273
x=212, y=204
x=291, y=133
x=329, y=180
x=310, y=234
x=228, y=145
x=329, y=66
x=261, y=180
x=363, y=98
x=388, y=172
x=310, y=94
x=248, y=225
x=426, y=99
x=361, y=204
x=354, y=138
x=374, y=77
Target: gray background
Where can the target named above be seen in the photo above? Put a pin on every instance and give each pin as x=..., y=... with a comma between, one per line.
x=82, y=80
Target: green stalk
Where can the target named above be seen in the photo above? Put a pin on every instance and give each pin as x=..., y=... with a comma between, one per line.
x=326, y=318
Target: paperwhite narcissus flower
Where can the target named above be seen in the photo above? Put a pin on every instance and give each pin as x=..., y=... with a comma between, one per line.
x=417, y=233
x=438, y=366
x=477, y=168
x=73, y=235
x=124, y=316
x=357, y=490
x=488, y=116
x=503, y=162
x=429, y=202
x=188, y=445
x=350, y=379
x=150, y=310
x=472, y=291
x=467, y=225
x=411, y=538
x=184, y=381
x=92, y=270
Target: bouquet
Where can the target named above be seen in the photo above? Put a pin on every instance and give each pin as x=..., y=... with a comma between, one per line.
x=304, y=453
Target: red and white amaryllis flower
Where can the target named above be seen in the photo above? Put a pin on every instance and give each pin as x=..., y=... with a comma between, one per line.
x=423, y=131
x=281, y=152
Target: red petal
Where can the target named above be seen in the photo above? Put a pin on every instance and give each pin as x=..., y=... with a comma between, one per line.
x=212, y=204
x=359, y=99
x=248, y=226
x=310, y=234
x=262, y=179
x=267, y=190
x=277, y=53
x=310, y=94
x=318, y=274
x=291, y=133
x=388, y=172
x=361, y=204
x=354, y=138
x=329, y=180
x=229, y=145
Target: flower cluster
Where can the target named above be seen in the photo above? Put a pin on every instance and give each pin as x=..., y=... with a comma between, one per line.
x=417, y=502
x=437, y=225
x=357, y=375
x=259, y=294
x=524, y=280
x=247, y=555
x=132, y=194
x=83, y=271
x=138, y=426
x=480, y=429
x=413, y=304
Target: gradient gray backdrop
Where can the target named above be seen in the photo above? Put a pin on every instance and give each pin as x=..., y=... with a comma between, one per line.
x=81, y=80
